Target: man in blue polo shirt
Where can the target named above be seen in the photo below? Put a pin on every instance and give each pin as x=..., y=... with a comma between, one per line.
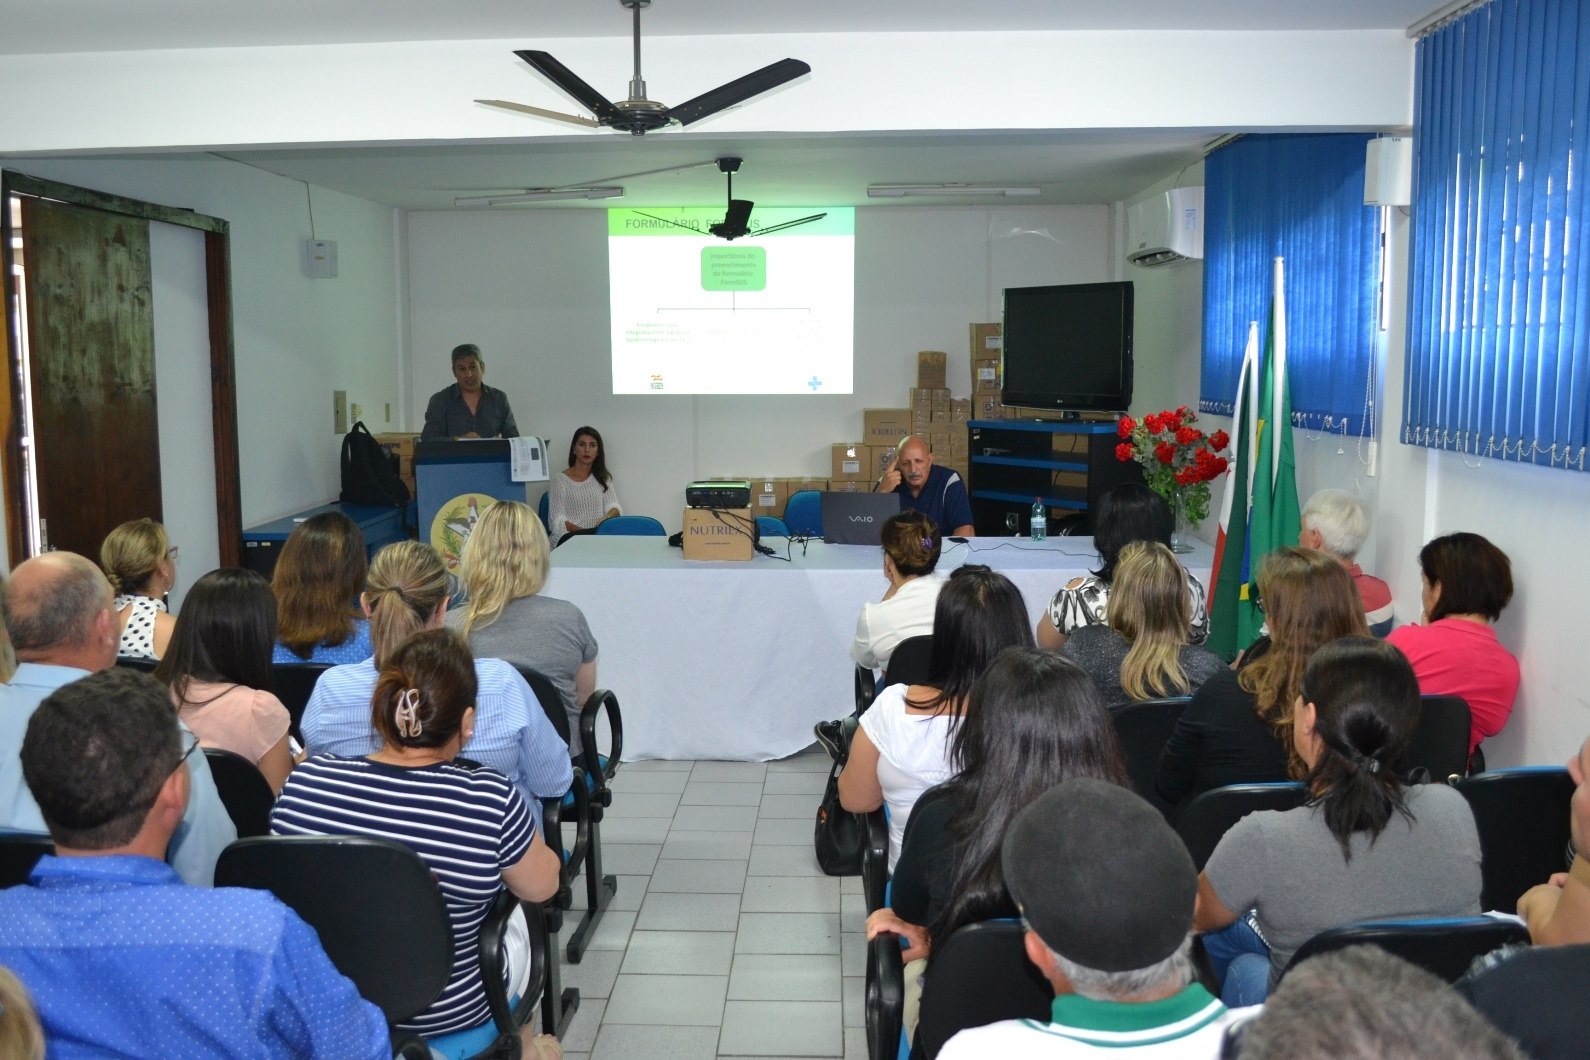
x=124, y=959
x=936, y=492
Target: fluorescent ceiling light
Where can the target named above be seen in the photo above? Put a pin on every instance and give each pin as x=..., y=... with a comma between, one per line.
x=540, y=195
x=896, y=191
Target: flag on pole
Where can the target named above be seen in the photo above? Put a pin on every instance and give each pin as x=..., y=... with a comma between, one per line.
x=1259, y=511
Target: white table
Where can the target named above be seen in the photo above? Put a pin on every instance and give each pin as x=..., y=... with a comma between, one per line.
x=737, y=661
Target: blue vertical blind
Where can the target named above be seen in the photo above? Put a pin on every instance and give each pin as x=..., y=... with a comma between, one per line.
x=1299, y=197
x=1499, y=297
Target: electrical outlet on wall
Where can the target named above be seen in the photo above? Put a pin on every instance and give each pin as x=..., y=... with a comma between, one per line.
x=358, y=412
x=339, y=411
x=389, y=412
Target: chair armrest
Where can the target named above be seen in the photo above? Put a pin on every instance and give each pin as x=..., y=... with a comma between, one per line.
x=601, y=699
x=585, y=811
x=494, y=962
x=409, y=1046
x=866, y=688
x=541, y=958
x=552, y=815
x=875, y=859
x=885, y=995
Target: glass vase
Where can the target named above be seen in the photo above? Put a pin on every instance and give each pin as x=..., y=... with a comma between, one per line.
x=1181, y=531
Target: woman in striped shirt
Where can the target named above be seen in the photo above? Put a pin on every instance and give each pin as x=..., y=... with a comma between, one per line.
x=468, y=823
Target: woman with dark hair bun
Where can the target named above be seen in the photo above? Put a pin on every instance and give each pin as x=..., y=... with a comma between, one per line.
x=902, y=745
x=1365, y=847
x=1127, y=513
x=910, y=552
x=1467, y=581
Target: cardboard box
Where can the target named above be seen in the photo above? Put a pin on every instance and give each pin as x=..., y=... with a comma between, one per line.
x=850, y=460
x=882, y=457
x=717, y=533
x=921, y=399
x=849, y=486
x=941, y=419
x=987, y=341
x=768, y=496
x=985, y=375
x=931, y=366
x=960, y=410
x=921, y=421
x=988, y=407
x=941, y=401
x=885, y=426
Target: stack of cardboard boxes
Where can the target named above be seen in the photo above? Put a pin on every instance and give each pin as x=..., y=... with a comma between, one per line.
x=987, y=347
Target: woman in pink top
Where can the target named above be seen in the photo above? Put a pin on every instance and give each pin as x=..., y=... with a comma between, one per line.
x=218, y=667
x=1454, y=651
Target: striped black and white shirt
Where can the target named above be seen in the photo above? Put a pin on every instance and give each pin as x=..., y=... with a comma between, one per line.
x=467, y=824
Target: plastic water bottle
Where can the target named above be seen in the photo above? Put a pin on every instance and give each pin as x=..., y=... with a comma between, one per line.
x=1040, y=520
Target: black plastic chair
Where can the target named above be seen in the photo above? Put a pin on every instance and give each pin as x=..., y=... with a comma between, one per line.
x=294, y=682
x=883, y=996
x=19, y=852
x=1440, y=743
x=1523, y=820
x=383, y=923
x=981, y=975
x=1207, y=817
x=244, y=791
x=142, y=663
x=1443, y=946
x=1143, y=729
x=908, y=665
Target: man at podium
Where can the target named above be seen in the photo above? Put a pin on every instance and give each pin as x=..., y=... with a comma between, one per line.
x=469, y=408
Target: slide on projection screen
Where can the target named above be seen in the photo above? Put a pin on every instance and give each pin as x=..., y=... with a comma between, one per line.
x=695, y=314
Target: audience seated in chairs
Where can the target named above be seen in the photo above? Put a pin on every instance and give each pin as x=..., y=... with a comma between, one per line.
x=467, y=822
x=1467, y=582
x=910, y=552
x=1128, y=512
x=219, y=673
x=59, y=618
x=1336, y=523
x=408, y=592
x=1108, y=923
x=141, y=565
x=318, y=575
x=1141, y=650
x=902, y=746
x=1237, y=729
x=194, y=972
x=1032, y=721
x=1365, y=847
x=505, y=565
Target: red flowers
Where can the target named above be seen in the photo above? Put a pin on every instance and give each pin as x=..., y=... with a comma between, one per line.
x=1178, y=459
x=1125, y=429
x=1164, y=452
x=1188, y=435
x=1124, y=452
x=1219, y=440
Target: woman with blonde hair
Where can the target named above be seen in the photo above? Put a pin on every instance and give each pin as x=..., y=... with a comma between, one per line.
x=406, y=593
x=1238, y=727
x=506, y=560
x=1142, y=652
x=21, y=1037
x=141, y=565
x=319, y=572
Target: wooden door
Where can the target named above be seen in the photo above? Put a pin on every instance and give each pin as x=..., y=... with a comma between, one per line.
x=91, y=379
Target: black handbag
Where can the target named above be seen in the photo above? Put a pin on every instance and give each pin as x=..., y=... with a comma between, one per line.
x=839, y=836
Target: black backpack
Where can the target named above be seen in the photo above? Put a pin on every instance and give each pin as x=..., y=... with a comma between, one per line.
x=368, y=473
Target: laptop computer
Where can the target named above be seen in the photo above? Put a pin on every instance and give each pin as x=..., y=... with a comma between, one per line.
x=857, y=518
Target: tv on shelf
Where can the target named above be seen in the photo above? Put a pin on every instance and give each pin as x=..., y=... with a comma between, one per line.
x=1068, y=347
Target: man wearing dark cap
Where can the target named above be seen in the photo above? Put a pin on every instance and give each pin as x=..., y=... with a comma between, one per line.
x=469, y=408
x=1106, y=890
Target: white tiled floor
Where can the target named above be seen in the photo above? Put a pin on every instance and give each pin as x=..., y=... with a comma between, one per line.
x=725, y=939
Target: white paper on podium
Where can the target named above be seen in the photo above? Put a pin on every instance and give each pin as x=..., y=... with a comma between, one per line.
x=528, y=456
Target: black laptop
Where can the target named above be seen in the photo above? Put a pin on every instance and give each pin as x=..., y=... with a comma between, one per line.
x=857, y=518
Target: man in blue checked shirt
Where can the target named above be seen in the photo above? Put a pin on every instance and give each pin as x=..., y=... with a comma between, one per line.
x=122, y=958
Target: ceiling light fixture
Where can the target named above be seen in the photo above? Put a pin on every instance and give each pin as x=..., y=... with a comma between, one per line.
x=897, y=191
x=540, y=195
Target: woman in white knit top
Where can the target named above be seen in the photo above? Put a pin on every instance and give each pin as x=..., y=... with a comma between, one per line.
x=582, y=496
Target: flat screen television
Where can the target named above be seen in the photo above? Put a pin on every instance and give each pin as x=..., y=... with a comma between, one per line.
x=1068, y=347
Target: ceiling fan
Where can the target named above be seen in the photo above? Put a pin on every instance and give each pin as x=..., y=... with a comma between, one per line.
x=591, y=189
x=637, y=114
x=737, y=219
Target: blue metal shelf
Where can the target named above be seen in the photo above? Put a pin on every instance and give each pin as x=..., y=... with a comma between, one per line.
x=1026, y=498
x=1047, y=426
x=1027, y=461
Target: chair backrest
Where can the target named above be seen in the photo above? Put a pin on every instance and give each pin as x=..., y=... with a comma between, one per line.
x=373, y=902
x=1143, y=729
x=142, y=663
x=803, y=513
x=244, y=791
x=770, y=526
x=1440, y=744
x=981, y=975
x=908, y=663
x=1442, y=946
x=18, y=854
x=543, y=509
x=1207, y=817
x=1523, y=819
x=631, y=526
x=549, y=697
x=294, y=682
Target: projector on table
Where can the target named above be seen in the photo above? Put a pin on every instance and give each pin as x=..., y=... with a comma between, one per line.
x=726, y=494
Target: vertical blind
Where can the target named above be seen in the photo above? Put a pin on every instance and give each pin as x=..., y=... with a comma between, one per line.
x=1499, y=297
x=1299, y=197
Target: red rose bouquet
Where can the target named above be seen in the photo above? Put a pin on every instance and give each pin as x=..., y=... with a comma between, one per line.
x=1179, y=461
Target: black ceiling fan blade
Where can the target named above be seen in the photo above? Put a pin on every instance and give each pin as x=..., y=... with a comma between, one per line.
x=737, y=91
x=669, y=221
x=569, y=82
x=791, y=224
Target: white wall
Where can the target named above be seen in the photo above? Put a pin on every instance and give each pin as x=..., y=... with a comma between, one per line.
x=530, y=287
x=296, y=339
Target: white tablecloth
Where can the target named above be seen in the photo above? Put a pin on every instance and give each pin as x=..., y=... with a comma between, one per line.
x=737, y=661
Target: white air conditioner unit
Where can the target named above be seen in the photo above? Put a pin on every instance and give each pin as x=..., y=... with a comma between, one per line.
x=1164, y=229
